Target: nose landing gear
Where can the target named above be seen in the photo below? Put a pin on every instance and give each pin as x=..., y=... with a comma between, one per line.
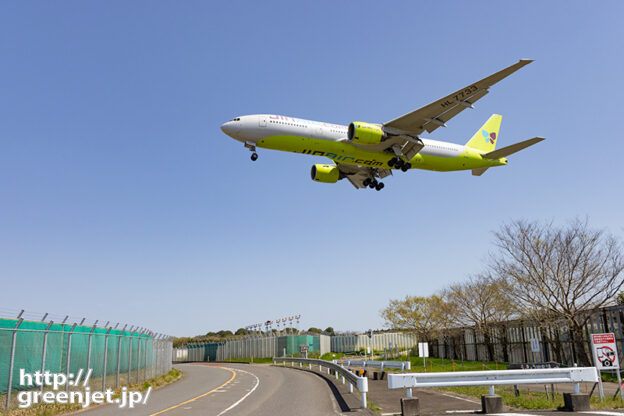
x=251, y=146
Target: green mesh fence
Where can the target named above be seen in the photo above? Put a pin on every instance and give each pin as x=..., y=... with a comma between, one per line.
x=292, y=343
x=126, y=355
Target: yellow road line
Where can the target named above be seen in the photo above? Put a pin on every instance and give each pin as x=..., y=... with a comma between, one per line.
x=201, y=395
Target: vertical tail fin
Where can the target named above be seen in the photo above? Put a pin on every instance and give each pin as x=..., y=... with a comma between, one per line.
x=485, y=138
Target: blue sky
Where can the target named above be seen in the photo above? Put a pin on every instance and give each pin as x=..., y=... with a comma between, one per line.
x=122, y=200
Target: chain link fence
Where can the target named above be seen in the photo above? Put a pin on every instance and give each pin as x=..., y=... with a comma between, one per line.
x=379, y=342
x=256, y=347
x=266, y=347
x=115, y=357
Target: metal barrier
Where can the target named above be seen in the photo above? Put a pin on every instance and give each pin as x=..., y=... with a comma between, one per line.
x=361, y=383
x=395, y=365
x=496, y=377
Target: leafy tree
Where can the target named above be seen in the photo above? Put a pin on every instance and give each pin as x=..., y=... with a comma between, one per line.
x=315, y=330
x=241, y=331
x=414, y=313
x=562, y=273
x=620, y=298
x=329, y=330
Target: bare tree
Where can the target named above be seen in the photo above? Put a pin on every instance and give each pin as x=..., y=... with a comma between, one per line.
x=414, y=313
x=483, y=302
x=560, y=273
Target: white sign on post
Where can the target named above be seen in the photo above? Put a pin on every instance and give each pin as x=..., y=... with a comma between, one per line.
x=423, y=349
x=605, y=352
x=535, y=345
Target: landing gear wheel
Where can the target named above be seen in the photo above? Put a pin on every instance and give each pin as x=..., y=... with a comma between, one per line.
x=366, y=182
x=254, y=156
x=379, y=186
x=392, y=162
x=399, y=164
x=372, y=184
x=405, y=167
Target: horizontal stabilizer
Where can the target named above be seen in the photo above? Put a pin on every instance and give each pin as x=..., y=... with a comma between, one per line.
x=506, y=151
x=478, y=172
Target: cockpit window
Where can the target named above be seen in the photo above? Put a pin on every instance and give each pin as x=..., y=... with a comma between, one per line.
x=236, y=119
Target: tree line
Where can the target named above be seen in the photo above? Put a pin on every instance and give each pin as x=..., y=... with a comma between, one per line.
x=538, y=271
x=226, y=335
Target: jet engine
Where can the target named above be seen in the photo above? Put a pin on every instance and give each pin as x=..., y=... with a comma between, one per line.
x=365, y=133
x=325, y=173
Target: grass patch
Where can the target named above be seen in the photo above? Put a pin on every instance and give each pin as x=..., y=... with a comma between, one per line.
x=57, y=409
x=438, y=365
x=531, y=399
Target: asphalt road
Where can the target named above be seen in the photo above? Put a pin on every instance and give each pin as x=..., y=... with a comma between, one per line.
x=237, y=390
x=263, y=390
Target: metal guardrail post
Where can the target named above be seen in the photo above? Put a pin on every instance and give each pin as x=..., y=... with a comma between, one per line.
x=12, y=362
x=409, y=391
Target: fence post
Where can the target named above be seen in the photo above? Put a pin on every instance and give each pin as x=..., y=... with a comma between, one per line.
x=139, y=356
x=89, y=347
x=130, y=357
x=43, y=353
x=13, y=339
x=69, y=355
x=105, y=358
x=119, y=355
x=145, y=359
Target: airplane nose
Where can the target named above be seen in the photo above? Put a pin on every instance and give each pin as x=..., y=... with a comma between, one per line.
x=230, y=128
x=226, y=128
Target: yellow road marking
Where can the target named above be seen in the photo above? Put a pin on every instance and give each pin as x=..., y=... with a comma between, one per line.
x=201, y=395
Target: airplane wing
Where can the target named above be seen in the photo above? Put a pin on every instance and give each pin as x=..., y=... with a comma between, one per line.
x=436, y=114
x=357, y=174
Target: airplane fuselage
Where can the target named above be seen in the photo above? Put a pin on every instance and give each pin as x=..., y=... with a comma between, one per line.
x=329, y=140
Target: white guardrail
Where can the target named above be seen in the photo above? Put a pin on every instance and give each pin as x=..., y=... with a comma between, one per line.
x=361, y=383
x=396, y=365
x=495, y=377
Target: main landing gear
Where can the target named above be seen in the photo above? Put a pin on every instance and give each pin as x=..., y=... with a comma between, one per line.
x=372, y=183
x=398, y=163
x=252, y=147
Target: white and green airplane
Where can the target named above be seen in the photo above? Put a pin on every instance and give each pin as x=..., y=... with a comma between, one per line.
x=365, y=152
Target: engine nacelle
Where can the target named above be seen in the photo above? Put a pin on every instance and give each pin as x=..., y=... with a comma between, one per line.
x=325, y=173
x=365, y=133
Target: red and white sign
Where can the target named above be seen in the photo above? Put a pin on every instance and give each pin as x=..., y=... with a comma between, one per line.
x=605, y=351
